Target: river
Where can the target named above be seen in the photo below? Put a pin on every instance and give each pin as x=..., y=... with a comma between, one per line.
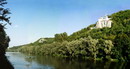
x=22, y=61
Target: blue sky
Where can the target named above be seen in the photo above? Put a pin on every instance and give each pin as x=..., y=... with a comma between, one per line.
x=33, y=19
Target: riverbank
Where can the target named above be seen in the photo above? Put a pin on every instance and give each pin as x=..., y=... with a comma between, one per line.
x=47, y=62
x=97, y=44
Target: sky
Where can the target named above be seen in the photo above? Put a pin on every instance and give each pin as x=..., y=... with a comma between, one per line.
x=34, y=19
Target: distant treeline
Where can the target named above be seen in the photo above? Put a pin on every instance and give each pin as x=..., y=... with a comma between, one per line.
x=105, y=43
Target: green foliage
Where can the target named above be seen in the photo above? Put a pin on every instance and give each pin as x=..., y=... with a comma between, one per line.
x=105, y=48
x=4, y=12
x=14, y=49
x=46, y=41
x=84, y=47
x=61, y=37
x=4, y=19
x=104, y=43
x=122, y=47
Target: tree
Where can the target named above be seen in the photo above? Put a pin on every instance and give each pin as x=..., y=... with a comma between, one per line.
x=4, y=20
x=91, y=47
x=104, y=48
x=4, y=13
x=61, y=37
x=122, y=46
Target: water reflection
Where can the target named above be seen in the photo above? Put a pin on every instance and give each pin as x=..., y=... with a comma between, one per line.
x=62, y=63
x=46, y=62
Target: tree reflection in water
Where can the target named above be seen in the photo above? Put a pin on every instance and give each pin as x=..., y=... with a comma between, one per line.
x=61, y=63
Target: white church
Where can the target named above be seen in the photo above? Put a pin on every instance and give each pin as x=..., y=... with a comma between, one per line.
x=103, y=22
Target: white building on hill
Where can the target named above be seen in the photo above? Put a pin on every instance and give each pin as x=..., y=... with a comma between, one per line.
x=41, y=40
x=104, y=22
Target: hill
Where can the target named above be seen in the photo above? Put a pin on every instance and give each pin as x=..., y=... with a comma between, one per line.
x=101, y=43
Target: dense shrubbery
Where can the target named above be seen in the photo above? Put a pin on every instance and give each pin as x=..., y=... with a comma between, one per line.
x=84, y=47
x=105, y=43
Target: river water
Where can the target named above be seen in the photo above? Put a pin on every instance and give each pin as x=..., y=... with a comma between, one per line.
x=22, y=61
